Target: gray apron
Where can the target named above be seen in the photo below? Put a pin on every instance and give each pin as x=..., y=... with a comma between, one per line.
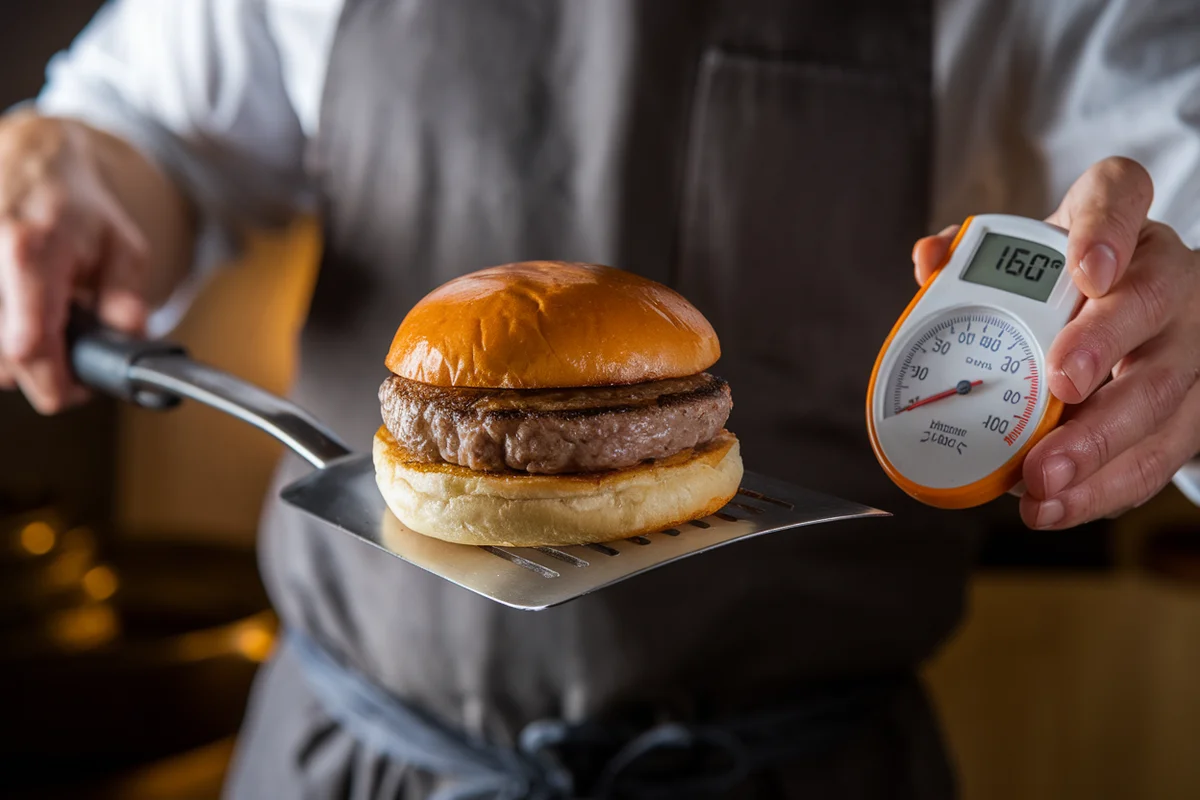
x=771, y=159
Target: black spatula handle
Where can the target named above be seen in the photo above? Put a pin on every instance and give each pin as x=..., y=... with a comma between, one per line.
x=156, y=374
x=104, y=359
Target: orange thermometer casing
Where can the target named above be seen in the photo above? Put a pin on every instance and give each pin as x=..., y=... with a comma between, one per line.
x=958, y=392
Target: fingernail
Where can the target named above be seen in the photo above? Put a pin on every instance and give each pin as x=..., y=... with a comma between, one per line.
x=1057, y=472
x=1080, y=369
x=1100, y=266
x=1049, y=513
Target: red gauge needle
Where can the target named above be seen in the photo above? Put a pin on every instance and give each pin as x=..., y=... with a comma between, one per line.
x=963, y=387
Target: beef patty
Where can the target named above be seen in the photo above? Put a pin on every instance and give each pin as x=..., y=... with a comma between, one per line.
x=553, y=431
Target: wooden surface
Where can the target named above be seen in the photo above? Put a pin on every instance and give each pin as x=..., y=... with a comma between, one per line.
x=1074, y=687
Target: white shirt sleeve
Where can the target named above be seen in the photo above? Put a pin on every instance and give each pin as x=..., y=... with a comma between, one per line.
x=1135, y=92
x=214, y=91
x=1031, y=93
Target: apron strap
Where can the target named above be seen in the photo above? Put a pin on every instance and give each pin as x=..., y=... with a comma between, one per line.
x=729, y=750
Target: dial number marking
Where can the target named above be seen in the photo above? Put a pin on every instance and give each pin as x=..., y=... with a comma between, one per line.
x=961, y=398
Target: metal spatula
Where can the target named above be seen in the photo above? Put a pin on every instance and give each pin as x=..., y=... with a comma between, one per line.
x=341, y=490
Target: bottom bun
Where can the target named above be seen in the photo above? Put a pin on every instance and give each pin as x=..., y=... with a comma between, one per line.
x=517, y=509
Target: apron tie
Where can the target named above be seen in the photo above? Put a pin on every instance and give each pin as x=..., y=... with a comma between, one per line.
x=667, y=760
x=670, y=737
x=409, y=735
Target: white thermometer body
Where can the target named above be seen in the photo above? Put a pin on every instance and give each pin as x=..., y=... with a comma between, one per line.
x=958, y=394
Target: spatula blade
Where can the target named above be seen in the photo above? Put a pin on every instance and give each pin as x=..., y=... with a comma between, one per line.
x=345, y=496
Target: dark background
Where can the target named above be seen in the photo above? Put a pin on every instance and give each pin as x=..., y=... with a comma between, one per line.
x=124, y=665
x=67, y=460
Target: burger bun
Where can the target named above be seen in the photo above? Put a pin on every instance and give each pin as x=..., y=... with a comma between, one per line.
x=517, y=509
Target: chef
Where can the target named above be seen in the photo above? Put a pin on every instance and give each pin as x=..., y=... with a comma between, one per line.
x=775, y=160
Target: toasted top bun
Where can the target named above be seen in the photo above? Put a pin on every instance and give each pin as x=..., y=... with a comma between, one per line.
x=551, y=324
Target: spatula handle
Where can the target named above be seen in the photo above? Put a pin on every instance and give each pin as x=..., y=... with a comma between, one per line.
x=156, y=374
x=103, y=359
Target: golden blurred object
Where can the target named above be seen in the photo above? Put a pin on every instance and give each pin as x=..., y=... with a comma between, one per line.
x=100, y=582
x=84, y=628
x=197, y=774
x=160, y=668
x=255, y=641
x=38, y=538
x=251, y=638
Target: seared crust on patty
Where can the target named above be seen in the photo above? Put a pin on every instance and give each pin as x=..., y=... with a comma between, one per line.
x=552, y=431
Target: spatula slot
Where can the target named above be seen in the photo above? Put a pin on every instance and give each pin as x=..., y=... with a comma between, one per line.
x=765, y=498
x=561, y=556
x=638, y=540
x=532, y=566
x=745, y=507
x=603, y=548
x=671, y=531
x=699, y=523
x=726, y=517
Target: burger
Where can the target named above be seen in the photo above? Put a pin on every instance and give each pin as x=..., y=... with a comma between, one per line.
x=552, y=403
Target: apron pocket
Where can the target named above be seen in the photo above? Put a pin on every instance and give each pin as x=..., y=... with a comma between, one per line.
x=805, y=187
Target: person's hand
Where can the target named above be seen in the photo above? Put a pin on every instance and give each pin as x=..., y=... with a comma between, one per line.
x=64, y=237
x=1121, y=440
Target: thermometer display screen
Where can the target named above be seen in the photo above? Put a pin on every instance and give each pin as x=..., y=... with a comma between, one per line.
x=1015, y=265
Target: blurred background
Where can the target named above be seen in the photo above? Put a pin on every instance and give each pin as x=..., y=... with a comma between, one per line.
x=132, y=618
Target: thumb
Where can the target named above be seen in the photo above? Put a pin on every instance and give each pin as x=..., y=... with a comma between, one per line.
x=1104, y=212
x=929, y=253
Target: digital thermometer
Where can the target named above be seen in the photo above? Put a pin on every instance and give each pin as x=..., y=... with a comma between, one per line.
x=958, y=394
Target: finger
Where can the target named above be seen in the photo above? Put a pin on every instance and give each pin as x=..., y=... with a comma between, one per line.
x=1107, y=328
x=929, y=253
x=47, y=382
x=21, y=247
x=1103, y=213
x=7, y=380
x=1128, y=480
x=35, y=267
x=1134, y=406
